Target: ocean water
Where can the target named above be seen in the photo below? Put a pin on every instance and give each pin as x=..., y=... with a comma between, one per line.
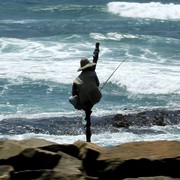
x=41, y=44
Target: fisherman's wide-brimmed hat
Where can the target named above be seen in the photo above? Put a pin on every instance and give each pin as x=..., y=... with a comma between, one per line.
x=85, y=63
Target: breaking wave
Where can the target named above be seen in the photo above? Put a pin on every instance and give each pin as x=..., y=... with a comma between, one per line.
x=155, y=10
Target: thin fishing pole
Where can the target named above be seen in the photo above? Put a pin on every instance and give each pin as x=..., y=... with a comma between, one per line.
x=113, y=73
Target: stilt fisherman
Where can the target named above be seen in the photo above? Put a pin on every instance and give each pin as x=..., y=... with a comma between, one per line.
x=85, y=89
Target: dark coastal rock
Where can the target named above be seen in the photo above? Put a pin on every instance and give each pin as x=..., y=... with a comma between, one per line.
x=45, y=160
x=159, y=117
x=100, y=124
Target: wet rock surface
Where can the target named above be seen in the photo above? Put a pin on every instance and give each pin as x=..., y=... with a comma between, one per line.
x=44, y=160
x=102, y=124
x=159, y=117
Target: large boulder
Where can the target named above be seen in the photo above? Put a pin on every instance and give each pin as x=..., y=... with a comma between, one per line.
x=27, y=160
x=88, y=153
x=140, y=159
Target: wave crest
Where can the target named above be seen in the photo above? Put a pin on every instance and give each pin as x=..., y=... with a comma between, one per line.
x=153, y=10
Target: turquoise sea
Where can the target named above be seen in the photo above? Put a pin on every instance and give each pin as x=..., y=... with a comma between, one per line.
x=41, y=44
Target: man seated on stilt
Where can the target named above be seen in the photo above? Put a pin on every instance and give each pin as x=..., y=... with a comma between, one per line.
x=85, y=91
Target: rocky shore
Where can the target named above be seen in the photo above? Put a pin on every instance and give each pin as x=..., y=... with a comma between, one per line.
x=100, y=124
x=158, y=117
x=44, y=160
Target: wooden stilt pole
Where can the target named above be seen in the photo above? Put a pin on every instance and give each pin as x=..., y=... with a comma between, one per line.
x=88, y=110
x=88, y=125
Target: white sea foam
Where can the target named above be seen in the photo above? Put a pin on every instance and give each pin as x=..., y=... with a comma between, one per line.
x=10, y=21
x=155, y=10
x=61, y=7
x=143, y=78
x=97, y=112
x=109, y=139
x=58, y=62
x=112, y=36
x=138, y=78
x=39, y=60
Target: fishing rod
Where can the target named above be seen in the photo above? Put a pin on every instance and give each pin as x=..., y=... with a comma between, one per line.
x=113, y=73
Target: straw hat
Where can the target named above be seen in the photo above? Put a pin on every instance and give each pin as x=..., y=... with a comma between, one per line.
x=85, y=63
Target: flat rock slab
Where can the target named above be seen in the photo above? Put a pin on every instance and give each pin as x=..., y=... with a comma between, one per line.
x=141, y=159
x=137, y=150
